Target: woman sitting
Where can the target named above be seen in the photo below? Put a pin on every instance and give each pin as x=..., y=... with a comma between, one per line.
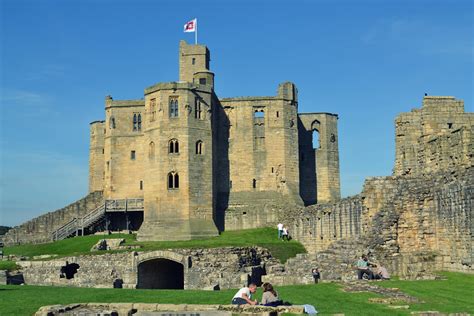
x=270, y=296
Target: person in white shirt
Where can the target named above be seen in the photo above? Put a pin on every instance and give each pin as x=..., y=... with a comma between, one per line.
x=280, y=230
x=244, y=295
x=285, y=234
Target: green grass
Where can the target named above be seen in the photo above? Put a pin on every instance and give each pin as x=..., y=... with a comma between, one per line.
x=455, y=294
x=25, y=300
x=448, y=296
x=264, y=237
x=8, y=265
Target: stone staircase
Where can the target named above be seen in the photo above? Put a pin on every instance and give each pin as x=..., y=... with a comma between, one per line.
x=77, y=225
x=335, y=263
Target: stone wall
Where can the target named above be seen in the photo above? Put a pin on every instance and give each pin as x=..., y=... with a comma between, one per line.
x=39, y=229
x=413, y=225
x=415, y=222
x=216, y=268
x=436, y=137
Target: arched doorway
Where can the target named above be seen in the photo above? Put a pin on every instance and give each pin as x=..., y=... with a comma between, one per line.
x=160, y=274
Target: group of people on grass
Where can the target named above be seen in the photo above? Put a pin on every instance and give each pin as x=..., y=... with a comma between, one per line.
x=369, y=270
x=269, y=296
x=283, y=232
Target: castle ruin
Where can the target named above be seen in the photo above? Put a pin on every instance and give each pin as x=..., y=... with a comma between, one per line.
x=190, y=164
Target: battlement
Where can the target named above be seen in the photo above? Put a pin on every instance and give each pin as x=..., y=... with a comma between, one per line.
x=180, y=85
x=124, y=103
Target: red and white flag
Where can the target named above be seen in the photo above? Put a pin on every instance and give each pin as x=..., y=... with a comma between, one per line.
x=190, y=26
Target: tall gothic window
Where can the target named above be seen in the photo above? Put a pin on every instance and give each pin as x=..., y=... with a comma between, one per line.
x=139, y=121
x=173, y=180
x=174, y=107
x=135, y=122
x=199, y=147
x=173, y=146
x=197, y=109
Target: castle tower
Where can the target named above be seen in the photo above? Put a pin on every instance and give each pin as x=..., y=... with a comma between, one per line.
x=96, y=156
x=192, y=59
x=178, y=189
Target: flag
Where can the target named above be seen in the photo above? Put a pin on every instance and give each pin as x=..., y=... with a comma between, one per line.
x=190, y=26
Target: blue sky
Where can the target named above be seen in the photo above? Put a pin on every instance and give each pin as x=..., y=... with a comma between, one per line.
x=364, y=60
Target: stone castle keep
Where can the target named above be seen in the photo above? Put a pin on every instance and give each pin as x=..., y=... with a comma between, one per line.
x=191, y=156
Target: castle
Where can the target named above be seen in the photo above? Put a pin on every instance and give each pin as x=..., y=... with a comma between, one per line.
x=192, y=157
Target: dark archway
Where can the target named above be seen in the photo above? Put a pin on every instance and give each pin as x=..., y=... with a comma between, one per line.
x=160, y=274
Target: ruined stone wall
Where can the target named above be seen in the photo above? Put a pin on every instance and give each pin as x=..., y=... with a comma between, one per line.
x=263, y=143
x=319, y=163
x=318, y=226
x=39, y=229
x=436, y=137
x=203, y=268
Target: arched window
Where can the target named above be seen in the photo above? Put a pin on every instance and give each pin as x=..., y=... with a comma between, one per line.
x=151, y=150
x=139, y=122
x=316, y=142
x=173, y=106
x=135, y=122
x=199, y=147
x=197, y=109
x=112, y=122
x=173, y=180
x=315, y=128
x=173, y=146
x=254, y=183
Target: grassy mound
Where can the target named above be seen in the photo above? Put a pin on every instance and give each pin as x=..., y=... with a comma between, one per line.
x=447, y=296
x=263, y=237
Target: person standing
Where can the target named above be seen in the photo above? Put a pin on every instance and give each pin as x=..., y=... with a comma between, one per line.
x=285, y=234
x=280, y=230
x=316, y=275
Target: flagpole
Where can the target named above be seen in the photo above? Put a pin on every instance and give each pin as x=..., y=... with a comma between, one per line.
x=196, y=34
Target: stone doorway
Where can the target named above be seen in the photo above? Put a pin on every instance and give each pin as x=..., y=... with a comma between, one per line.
x=160, y=274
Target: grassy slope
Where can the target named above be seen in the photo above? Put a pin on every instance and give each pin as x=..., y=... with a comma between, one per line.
x=264, y=237
x=449, y=296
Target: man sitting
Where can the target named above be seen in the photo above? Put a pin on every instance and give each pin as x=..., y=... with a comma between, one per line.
x=244, y=295
x=363, y=268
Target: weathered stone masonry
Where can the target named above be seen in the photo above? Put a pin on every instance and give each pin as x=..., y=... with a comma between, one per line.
x=200, y=268
x=39, y=229
x=415, y=222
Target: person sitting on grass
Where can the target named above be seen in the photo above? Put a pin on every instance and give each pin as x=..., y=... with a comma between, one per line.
x=244, y=295
x=362, y=266
x=381, y=273
x=270, y=296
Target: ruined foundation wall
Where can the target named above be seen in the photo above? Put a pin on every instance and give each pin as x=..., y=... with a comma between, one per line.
x=224, y=268
x=39, y=229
